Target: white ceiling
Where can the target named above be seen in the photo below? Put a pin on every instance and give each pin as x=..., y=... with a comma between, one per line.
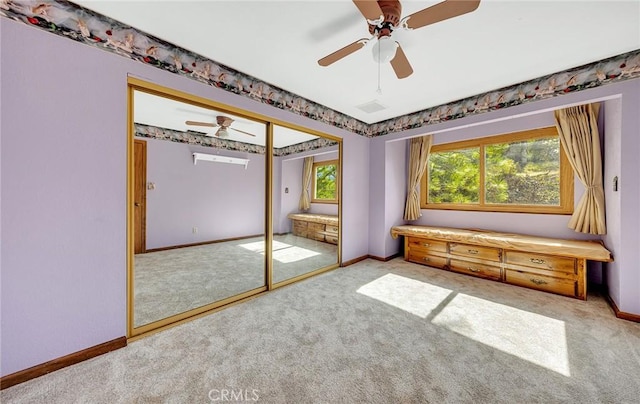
x=279, y=42
x=162, y=112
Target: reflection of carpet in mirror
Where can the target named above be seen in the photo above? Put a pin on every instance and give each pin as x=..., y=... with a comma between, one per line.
x=174, y=281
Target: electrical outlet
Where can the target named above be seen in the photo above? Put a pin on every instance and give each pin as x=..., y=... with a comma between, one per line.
x=194, y=230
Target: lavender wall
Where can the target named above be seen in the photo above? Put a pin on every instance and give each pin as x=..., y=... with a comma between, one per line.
x=221, y=200
x=2, y=129
x=355, y=198
x=277, y=196
x=377, y=232
x=622, y=146
x=627, y=266
x=63, y=197
x=396, y=161
x=64, y=191
x=613, y=167
x=292, y=179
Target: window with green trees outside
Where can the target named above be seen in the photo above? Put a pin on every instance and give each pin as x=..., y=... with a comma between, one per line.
x=517, y=172
x=325, y=182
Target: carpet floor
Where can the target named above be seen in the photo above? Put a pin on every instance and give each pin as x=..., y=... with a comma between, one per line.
x=372, y=332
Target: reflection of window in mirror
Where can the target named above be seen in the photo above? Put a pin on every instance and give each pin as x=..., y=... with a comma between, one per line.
x=325, y=182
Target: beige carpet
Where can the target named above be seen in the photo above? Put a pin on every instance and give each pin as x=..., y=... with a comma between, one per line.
x=174, y=281
x=371, y=333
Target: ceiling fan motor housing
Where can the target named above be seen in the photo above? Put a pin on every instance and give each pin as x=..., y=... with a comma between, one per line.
x=391, y=10
x=224, y=121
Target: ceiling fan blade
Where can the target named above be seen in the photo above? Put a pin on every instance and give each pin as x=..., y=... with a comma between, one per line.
x=401, y=64
x=346, y=51
x=370, y=10
x=440, y=12
x=196, y=123
x=241, y=131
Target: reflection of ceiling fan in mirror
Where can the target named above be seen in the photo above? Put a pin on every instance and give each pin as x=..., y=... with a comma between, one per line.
x=224, y=122
x=384, y=16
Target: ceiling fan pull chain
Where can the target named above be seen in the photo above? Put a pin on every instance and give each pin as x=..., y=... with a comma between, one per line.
x=379, y=90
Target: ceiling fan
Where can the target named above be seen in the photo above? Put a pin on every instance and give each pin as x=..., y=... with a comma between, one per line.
x=224, y=122
x=383, y=17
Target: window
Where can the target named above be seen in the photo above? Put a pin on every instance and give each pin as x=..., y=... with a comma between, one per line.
x=325, y=182
x=517, y=172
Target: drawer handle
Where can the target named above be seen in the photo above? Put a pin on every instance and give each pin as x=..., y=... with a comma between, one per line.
x=537, y=261
x=426, y=245
x=472, y=251
x=426, y=259
x=473, y=269
x=538, y=281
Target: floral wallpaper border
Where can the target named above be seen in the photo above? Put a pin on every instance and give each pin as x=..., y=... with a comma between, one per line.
x=70, y=20
x=154, y=132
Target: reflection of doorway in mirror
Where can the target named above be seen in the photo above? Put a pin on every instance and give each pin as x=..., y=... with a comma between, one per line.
x=140, y=195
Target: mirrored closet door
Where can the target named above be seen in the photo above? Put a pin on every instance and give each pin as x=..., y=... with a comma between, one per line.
x=199, y=216
x=306, y=203
x=215, y=213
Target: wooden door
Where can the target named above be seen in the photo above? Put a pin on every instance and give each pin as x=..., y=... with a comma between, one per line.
x=140, y=196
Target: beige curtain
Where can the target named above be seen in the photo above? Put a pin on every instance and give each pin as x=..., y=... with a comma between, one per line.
x=578, y=129
x=305, y=199
x=419, y=154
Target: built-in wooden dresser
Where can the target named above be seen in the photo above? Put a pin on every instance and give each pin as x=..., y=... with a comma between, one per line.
x=315, y=226
x=548, y=264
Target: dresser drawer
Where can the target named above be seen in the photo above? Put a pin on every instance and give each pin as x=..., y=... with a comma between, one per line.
x=471, y=268
x=427, y=245
x=474, y=251
x=542, y=261
x=565, y=287
x=332, y=229
x=331, y=239
x=300, y=228
x=311, y=227
x=316, y=236
x=421, y=257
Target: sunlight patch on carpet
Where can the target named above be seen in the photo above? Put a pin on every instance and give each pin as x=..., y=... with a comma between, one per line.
x=257, y=246
x=293, y=254
x=535, y=338
x=407, y=294
x=282, y=252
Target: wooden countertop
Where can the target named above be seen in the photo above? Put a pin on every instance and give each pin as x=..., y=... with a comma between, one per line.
x=589, y=249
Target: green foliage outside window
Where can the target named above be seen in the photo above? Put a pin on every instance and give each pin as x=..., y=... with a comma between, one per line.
x=454, y=176
x=325, y=177
x=326, y=182
x=519, y=172
x=523, y=173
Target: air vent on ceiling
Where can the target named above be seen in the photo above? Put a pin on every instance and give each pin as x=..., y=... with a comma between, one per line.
x=371, y=107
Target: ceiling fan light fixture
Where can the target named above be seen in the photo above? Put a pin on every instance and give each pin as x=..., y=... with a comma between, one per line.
x=223, y=133
x=384, y=50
